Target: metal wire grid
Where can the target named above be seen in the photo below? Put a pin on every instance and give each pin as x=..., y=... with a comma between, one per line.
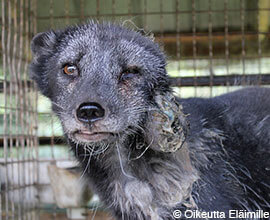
x=195, y=39
x=20, y=21
x=18, y=160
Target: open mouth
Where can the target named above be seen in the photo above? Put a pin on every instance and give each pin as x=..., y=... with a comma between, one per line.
x=86, y=136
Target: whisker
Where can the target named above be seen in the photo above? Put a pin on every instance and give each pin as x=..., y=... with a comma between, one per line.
x=76, y=150
x=138, y=157
x=87, y=165
x=121, y=164
x=57, y=104
x=95, y=212
x=84, y=153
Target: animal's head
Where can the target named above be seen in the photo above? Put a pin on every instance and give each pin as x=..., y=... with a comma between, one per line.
x=101, y=78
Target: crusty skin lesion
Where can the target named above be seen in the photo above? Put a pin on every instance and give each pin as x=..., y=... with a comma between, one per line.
x=167, y=126
x=162, y=153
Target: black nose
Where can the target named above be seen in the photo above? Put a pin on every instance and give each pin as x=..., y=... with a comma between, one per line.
x=90, y=112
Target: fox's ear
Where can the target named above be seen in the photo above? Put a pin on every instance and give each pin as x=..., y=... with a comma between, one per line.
x=43, y=43
x=42, y=46
x=168, y=126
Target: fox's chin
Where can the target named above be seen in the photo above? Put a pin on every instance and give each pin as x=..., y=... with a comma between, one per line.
x=92, y=137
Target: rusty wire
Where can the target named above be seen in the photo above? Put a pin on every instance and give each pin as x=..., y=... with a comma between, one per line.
x=19, y=137
x=19, y=140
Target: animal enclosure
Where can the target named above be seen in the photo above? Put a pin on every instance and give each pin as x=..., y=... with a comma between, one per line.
x=212, y=47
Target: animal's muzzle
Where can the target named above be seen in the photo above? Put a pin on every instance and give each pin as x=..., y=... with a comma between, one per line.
x=90, y=112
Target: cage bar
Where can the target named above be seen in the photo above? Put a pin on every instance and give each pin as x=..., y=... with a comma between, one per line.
x=212, y=47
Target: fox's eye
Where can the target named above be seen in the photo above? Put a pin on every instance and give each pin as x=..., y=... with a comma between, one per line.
x=129, y=73
x=70, y=70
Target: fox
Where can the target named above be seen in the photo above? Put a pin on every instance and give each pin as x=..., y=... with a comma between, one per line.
x=144, y=151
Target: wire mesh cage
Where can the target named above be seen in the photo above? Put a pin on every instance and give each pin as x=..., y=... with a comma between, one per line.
x=212, y=47
x=19, y=140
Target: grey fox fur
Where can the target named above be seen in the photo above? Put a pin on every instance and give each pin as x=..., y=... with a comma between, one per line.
x=107, y=85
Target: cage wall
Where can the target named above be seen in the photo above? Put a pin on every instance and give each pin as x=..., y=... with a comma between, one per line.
x=212, y=47
x=18, y=114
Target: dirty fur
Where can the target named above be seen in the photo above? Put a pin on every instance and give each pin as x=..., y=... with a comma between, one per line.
x=159, y=153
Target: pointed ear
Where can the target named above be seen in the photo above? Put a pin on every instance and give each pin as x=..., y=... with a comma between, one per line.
x=43, y=43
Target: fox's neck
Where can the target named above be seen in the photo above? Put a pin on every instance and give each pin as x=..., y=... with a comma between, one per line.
x=133, y=177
